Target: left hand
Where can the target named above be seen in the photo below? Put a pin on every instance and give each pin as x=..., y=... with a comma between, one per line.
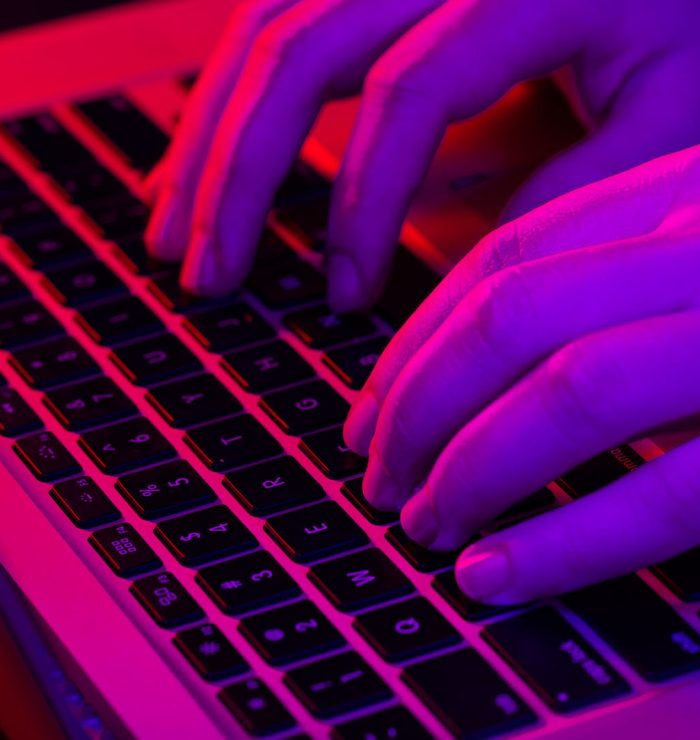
x=565, y=333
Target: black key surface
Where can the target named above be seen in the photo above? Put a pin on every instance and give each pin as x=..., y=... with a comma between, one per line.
x=267, y=366
x=291, y=633
x=119, y=217
x=119, y=321
x=419, y=557
x=474, y=611
x=228, y=327
x=205, y=535
x=51, y=249
x=27, y=216
x=16, y=415
x=124, y=550
x=306, y=408
x=89, y=403
x=681, y=574
x=273, y=486
x=639, y=625
x=166, y=600
x=193, y=400
x=555, y=660
x=165, y=489
x=396, y=723
x=302, y=184
x=354, y=364
x=153, y=360
x=53, y=363
x=25, y=323
x=271, y=248
x=319, y=327
x=352, y=490
x=337, y=685
x=306, y=223
x=129, y=444
x=210, y=652
x=232, y=443
x=257, y=709
x=601, y=471
x=11, y=287
x=488, y=708
x=83, y=283
x=84, y=502
x=535, y=503
x=89, y=183
x=328, y=451
x=247, y=583
x=44, y=454
x=168, y=292
x=315, y=532
x=131, y=251
x=288, y=284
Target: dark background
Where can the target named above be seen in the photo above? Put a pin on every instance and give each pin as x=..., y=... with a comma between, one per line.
x=17, y=13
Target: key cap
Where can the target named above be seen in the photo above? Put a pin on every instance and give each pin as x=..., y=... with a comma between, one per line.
x=396, y=723
x=536, y=503
x=474, y=611
x=25, y=323
x=193, y=400
x=271, y=248
x=47, y=250
x=327, y=450
x=11, y=287
x=354, y=364
x=406, y=630
x=232, y=443
x=53, y=363
x=352, y=490
x=27, y=216
x=119, y=217
x=89, y=403
x=489, y=706
x=164, y=489
x=228, y=327
x=555, y=660
x=266, y=366
x=315, y=532
x=257, y=709
x=83, y=283
x=167, y=291
x=302, y=184
x=305, y=408
x=291, y=633
x=84, y=502
x=88, y=184
x=124, y=550
x=360, y=580
x=11, y=186
x=681, y=574
x=153, y=360
x=119, y=321
x=129, y=444
x=337, y=685
x=16, y=415
x=132, y=253
x=601, y=471
x=273, y=486
x=640, y=626
x=319, y=328
x=247, y=583
x=287, y=284
x=205, y=535
x=423, y=560
x=210, y=652
x=166, y=600
x=46, y=456
x=306, y=223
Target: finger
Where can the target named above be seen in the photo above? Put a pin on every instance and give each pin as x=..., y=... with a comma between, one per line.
x=643, y=518
x=505, y=327
x=319, y=49
x=627, y=205
x=181, y=169
x=597, y=392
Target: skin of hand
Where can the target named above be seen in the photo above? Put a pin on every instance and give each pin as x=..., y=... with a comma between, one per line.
x=419, y=65
x=564, y=333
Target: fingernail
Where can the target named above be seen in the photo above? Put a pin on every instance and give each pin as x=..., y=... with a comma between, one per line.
x=344, y=285
x=419, y=521
x=483, y=574
x=361, y=423
x=380, y=489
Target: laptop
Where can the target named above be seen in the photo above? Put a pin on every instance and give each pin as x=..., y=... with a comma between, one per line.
x=185, y=549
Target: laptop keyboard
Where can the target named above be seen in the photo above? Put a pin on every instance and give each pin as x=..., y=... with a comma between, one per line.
x=196, y=445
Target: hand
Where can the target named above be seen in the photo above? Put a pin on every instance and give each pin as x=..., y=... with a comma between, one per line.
x=565, y=333
x=423, y=64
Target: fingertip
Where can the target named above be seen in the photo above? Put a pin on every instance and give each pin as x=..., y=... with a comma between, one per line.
x=380, y=489
x=361, y=423
x=419, y=520
x=484, y=572
x=345, y=289
x=167, y=230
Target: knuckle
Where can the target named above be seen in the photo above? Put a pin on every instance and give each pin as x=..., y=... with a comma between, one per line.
x=388, y=86
x=283, y=43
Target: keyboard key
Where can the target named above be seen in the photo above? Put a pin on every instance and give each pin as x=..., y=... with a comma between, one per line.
x=489, y=706
x=165, y=489
x=271, y=248
x=306, y=408
x=315, y=532
x=232, y=443
x=131, y=251
x=54, y=363
x=11, y=287
x=267, y=366
x=474, y=611
x=327, y=450
x=337, y=685
x=535, y=503
x=257, y=709
x=319, y=328
x=124, y=550
x=306, y=223
x=166, y=600
x=681, y=574
x=600, y=471
x=119, y=217
x=247, y=583
x=84, y=502
x=228, y=327
x=354, y=364
x=288, y=284
x=272, y=487
x=302, y=184
x=291, y=633
x=168, y=292
x=87, y=184
x=360, y=580
x=119, y=321
x=16, y=415
x=555, y=660
x=205, y=535
x=86, y=282
x=423, y=560
x=210, y=652
x=46, y=456
x=89, y=403
x=396, y=723
x=151, y=361
x=130, y=444
x=352, y=490
x=25, y=323
x=193, y=400
x=47, y=250
x=640, y=626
